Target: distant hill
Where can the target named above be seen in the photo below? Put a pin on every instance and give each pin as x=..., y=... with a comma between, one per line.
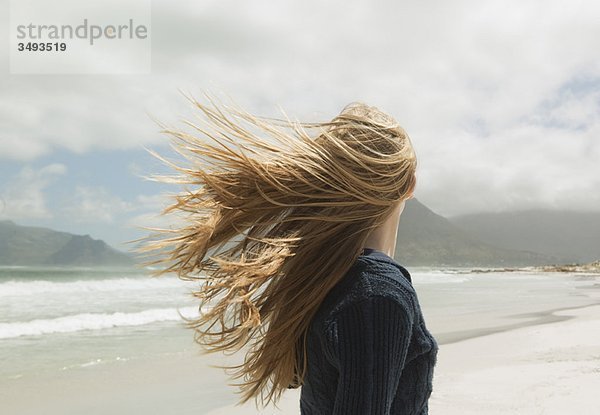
x=573, y=236
x=29, y=245
x=426, y=238
x=532, y=238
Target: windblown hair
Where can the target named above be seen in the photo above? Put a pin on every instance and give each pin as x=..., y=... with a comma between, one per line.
x=286, y=214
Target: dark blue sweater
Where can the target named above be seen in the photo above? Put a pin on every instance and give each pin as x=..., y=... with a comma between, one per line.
x=368, y=349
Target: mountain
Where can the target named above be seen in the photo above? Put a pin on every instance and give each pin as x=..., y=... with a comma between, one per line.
x=532, y=238
x=428, y=239
x=574, y=236
x=29, y=245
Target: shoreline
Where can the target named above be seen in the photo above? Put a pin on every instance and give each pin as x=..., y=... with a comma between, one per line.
x=549, y=368
x=541, y=318
x=552, y=352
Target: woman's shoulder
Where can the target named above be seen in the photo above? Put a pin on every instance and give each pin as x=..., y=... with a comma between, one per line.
x=377, y=280
x=370, y=280
x=375, y=257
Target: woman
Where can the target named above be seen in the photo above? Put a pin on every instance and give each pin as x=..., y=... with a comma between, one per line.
x=301, y=219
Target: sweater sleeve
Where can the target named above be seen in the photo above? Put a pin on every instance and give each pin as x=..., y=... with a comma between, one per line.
x=369, y=340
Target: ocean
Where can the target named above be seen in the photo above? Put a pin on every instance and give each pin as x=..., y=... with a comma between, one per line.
x=61, y=318
x=54, y=321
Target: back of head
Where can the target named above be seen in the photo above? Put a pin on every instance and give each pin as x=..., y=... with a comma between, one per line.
x=284, y=221
x=374, y=150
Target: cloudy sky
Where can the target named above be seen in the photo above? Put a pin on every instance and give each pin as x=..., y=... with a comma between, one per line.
x=501, y=100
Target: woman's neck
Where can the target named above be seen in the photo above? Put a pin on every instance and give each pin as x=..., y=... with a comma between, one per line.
x=383, y=238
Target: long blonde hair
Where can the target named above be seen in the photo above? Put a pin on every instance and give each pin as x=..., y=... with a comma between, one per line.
x=286, y=215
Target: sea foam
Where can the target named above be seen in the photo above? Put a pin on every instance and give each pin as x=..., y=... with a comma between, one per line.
x=93, y=321
x=38, y=287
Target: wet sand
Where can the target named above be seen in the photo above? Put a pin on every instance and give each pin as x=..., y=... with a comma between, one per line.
x=548, y=368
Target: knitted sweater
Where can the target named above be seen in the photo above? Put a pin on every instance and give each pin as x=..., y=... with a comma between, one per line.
x=368, y=349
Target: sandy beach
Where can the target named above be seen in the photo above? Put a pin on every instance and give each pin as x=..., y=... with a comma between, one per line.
x=543, y=369
x=534, y=360
x=551, y=368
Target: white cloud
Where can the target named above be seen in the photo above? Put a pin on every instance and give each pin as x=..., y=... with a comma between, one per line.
x=24, y=196
x=500, y=97
x=95, y=204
